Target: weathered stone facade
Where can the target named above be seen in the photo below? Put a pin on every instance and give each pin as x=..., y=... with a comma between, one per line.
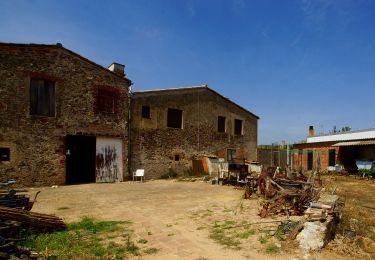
x=158, y=148
x=37, y=144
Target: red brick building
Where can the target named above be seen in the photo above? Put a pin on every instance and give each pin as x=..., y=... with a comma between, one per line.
x=343, y=148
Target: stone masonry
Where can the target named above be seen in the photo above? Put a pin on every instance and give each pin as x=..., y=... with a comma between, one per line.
x=37, y=143
x=158, y=148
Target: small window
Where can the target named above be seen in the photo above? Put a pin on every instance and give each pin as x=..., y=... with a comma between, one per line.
x=146, y=112
x=177, y=157
x=4, y=154
x=221, y=124
x=174, y=118
x=42, y=97
x=231, y=154
x=237, y=127
x=106, y=101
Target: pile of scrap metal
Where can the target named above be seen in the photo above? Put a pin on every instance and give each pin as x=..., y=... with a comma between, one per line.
x=292, y=193
x=237, y=174
x=9, y=197
x=284, y=192
x=15, y=217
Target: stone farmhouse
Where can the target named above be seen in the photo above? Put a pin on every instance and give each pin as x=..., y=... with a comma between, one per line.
x=67, y=120
x=63, y=118
x=172, y=127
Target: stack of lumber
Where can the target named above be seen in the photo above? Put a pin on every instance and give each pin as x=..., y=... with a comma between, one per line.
x=36, y=221
x=13, y=221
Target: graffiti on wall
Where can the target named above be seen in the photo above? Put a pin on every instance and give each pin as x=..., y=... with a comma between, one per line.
x=108, y=160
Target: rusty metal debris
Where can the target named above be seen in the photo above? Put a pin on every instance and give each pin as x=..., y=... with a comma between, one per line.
x=283, y=192
x=9, y=197
x=292, y=193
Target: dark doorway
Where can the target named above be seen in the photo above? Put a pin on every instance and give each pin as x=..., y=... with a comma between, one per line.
x=332, y=157
x=80, y=159
x=310, y=157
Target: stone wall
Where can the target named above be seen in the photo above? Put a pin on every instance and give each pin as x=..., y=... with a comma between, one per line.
x=37, y=143
x=158, y=148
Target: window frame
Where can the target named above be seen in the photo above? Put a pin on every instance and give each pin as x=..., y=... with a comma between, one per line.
x=231, y=154
x=108, y=95
x=172, y=125
x=235, y=127
x=39, y=91
x=221, y=127
x=148, y=110
x=5, y=154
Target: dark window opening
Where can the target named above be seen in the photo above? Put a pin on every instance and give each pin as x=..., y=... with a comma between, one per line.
x=146, y=112
x=42, y=97
x=231, y=154
x=174, y=118
x=106, y=101
x=177, y=157
x=237, y=127
x=332, y=157
x=310, y=158
x=221, y=124
x=4, y=154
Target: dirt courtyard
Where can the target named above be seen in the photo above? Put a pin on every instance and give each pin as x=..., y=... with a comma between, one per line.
x=174, y=217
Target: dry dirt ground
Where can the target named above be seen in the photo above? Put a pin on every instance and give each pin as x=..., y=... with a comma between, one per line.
x=174, y=217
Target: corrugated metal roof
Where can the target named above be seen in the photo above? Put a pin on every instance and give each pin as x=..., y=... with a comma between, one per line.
x=345, y=136
x=355, y=143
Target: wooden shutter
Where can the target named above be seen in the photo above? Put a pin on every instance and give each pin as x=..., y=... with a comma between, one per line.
x=42, y=97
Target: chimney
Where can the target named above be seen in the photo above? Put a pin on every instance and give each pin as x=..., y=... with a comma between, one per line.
x=117, y=68
x=311, y=130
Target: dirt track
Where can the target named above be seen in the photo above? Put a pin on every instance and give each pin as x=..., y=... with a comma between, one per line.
x=169, y=214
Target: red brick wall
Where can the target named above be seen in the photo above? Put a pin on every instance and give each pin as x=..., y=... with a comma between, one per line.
x=320, y=151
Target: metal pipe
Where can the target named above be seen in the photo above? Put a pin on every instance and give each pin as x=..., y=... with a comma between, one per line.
x=129, y=129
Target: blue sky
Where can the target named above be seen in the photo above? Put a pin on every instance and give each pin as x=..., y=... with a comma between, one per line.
x=294, y=63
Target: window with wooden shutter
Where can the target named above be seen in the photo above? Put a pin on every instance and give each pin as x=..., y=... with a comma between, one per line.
x=106, y=101
x=42, y=97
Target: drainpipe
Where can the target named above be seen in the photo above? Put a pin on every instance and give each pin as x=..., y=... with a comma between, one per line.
x=129, y=130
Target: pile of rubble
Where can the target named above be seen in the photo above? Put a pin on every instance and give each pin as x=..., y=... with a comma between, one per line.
x=294, y=194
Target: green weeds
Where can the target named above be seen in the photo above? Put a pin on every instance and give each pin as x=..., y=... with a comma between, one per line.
x=271, y=248
x=86, y=239
x=226, y=234
x=263, y=239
